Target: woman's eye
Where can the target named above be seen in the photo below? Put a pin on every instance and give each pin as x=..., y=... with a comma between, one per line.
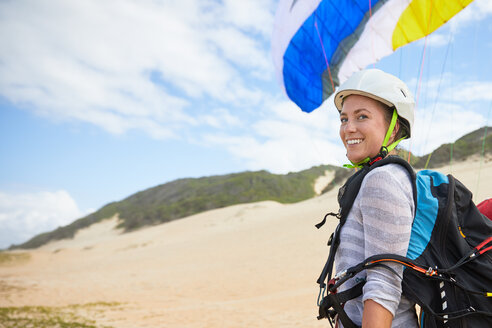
x=343, y=120
x=362, y=116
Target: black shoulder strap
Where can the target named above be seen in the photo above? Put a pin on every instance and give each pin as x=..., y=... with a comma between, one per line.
x=349, y=191
x=346, y=197
x=398, y=160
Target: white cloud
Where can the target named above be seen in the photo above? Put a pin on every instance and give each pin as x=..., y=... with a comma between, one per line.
x=255, y=15
x=469, y=91
x=23, y=215
x=452, y=88
x=437, y=40
x=449, y=123
x=448, y=109
x=474, y=12
x=286, y=139
x=95, y=61
x=220, y=118
x=280, y=154
x=243, y=50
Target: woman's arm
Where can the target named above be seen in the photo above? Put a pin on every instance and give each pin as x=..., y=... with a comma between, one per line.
x=387, y=215
x=375, y=315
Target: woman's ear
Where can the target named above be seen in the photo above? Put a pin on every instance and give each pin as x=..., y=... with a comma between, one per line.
x=395, y=132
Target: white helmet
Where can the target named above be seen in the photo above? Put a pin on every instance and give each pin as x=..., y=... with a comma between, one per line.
x=381, y=86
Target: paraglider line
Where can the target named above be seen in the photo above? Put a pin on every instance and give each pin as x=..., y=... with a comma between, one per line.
x=372, y=36
x=324, y=53
x=425, y=45
x=422, y=61
x=437, y=96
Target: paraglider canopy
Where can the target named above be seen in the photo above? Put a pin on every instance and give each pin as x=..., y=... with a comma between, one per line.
x=318, y=44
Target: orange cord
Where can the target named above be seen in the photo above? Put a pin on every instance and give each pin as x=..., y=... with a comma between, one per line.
x=416, y=268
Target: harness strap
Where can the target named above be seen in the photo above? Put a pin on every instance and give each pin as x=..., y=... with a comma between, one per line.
x=480, y=249
x=443, y=316
x=336, y=301
x=322, y=223
x=328, y=268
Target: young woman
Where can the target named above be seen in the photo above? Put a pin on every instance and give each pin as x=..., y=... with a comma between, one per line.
x=376, y=112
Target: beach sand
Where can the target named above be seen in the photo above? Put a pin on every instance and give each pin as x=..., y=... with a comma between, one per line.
x=249, y=265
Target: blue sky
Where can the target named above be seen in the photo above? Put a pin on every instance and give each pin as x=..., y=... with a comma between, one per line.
x=99, y=100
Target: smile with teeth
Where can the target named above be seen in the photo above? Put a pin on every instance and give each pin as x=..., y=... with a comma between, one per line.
x=354, y=141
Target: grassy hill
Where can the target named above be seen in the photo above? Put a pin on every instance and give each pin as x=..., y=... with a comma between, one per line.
x=184, y=197
x=466, y=146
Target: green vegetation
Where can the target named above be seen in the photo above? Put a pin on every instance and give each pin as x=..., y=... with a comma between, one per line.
x=51, y=317
x=466, y=146
x=7, y=258
x=403, y=153
x=184, y=197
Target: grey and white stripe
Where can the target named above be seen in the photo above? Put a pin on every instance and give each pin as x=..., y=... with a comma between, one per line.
x=380, y=221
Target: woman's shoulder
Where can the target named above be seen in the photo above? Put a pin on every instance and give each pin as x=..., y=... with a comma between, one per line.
x=390, y=184
x=390, y=176
x=390, y=170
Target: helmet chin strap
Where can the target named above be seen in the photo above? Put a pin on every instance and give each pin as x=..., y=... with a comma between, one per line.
x=383, y=152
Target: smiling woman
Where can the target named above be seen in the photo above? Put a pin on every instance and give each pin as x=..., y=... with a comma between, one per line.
x=376, y=113
x=363, y=127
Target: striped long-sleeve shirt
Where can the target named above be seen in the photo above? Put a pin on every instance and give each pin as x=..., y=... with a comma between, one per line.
x=380, y=221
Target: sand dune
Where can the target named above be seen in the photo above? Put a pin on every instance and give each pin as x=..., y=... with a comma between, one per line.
x=250, y=265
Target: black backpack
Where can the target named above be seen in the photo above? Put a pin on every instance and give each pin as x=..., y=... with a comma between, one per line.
x=448, y=271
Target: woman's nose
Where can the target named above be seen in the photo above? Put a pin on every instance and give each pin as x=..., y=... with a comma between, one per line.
x=349, y=126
